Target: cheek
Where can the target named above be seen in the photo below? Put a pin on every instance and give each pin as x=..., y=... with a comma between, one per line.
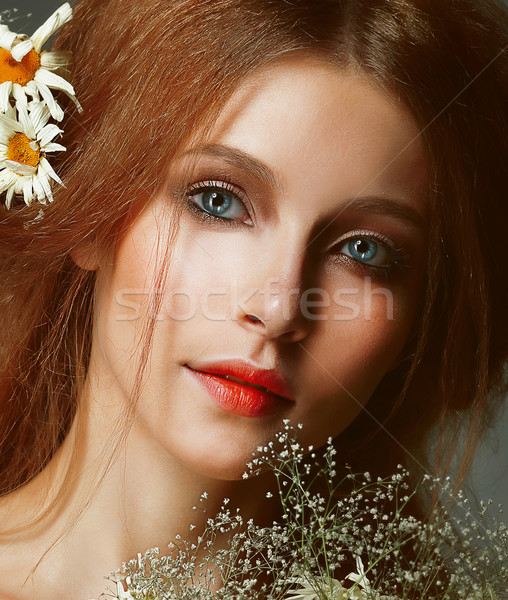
x=201, y=280
x=374, y=333
x=122, y=303
x=127, y=286
x=350, y=351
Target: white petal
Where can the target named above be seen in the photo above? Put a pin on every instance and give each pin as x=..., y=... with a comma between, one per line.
x=25, y=121
x=54, y=148
x=18, y=187
x=39, y=114
x=57, y=19
x=48, y=133
x=121, y=593
x=59, y=59
x=19, y=94
x=5, y=92
x=7, y=38
x=9, y=126
x=19, y=169
x=52, y=80
x=76, y=102
x=11, y=113
x=46, y=168
x=8, y=199
x=54, y=108
x=7, y=179
x=38, y=189
x=31, y=89
x=5, y=137
x=28, y=192
x=44, y=181
x=32, y=104
x=21, y=50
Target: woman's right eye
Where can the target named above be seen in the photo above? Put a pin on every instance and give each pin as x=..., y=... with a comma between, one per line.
x=218, y=200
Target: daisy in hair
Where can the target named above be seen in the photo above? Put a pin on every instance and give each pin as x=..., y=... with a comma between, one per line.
x=28, y=71
x=24, y=143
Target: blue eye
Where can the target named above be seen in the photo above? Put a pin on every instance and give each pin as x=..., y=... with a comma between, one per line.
x=215, y=201
x=363, y=249
x=368, y=251
x=219, y=200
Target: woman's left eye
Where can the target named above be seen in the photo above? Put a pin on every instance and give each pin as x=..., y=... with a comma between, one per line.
x=218, y=200
x=375, y=253
x=366, y=250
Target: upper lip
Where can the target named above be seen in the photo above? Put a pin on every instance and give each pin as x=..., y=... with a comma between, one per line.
x=250, y=374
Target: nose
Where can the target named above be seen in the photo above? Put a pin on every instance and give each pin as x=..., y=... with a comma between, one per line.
x=271, y=301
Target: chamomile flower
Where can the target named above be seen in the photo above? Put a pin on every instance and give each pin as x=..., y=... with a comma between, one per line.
x=360, y=578
x=332, y=589
x=121, y=594
x=24, y=143
x=28, y=71
x=320, y=588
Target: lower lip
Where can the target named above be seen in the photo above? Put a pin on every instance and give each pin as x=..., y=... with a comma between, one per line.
x=239, y=399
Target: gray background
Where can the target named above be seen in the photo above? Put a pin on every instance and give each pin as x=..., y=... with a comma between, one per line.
x=489, y=477
x=40, y=10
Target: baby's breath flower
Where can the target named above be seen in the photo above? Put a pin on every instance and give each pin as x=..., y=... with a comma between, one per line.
x=305, y=553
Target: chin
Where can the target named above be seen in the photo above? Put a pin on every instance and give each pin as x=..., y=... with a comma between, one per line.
x=214, y=457
x=222, y=467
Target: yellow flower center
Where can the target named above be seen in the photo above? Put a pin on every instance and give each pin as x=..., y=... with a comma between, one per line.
x=20, y=151
x=18, y=72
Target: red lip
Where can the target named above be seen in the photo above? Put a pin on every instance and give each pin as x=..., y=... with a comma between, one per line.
x=268, y=378
x=241, y=397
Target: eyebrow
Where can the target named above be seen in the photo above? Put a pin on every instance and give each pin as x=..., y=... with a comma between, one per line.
x=361, y=204
x=238, y=159
x=385, y=207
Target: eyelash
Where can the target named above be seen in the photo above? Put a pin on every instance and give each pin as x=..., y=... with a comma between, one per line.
x=222, y=185
x=398, y=260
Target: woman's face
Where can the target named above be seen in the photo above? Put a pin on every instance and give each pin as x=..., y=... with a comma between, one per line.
x=301, y=249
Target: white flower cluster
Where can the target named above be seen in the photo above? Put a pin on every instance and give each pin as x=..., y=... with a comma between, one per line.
x=340, y=536
x=28, y=77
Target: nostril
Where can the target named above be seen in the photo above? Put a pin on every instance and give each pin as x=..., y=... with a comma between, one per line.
x=253, y=318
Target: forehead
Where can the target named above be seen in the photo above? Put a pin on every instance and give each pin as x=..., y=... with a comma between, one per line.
x=305, y=118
